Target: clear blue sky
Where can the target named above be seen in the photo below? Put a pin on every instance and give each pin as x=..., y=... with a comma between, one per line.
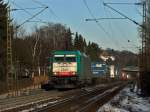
x=73, y=13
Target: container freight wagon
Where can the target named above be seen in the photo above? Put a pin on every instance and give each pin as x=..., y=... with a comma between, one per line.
x=99, y=69
x=70, y=69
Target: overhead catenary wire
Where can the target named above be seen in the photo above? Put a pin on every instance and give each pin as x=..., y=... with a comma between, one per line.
x=132, y=20
x=127, y=40
x=120, y=31
x=136, y=8
x=99, y=25
x=38, y=22
x=32, y=16
x=124, y=3
x=49, y=8
x=51, y=11
x=110, y=27
x=26, y=11
x=140, y=13
x=106, y=4
x=34, y=8
x=102, y=19
x=137, y=3
x=89, y=10
x=109, y=21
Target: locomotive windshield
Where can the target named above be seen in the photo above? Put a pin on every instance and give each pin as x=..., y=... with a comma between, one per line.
x=59, y=58
x=70, y=58
x=65, y=58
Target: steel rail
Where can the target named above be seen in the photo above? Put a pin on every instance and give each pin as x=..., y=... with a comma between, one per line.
x=70, y=102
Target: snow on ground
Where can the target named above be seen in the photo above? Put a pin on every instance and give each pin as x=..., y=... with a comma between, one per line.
x=127, y=101
x=39, y=106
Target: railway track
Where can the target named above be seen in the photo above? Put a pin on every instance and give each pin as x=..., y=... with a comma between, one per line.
x=10, y=104
x=85, y=102
x=54, y=101
x=28, y=101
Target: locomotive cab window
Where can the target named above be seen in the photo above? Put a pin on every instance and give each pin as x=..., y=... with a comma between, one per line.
x=70, y=58
x=59, y=58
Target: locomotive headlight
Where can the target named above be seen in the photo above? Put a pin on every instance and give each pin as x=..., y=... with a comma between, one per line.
x=73, y=73
x=55, y=73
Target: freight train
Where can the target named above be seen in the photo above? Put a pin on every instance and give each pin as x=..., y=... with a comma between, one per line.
x=70, y=69
x=99, y=69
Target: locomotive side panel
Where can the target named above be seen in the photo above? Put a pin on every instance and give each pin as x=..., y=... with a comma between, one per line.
x=86, y=75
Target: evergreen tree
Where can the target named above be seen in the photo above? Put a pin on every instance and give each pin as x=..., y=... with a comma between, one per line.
x=3, y=39
x=93, y=51
x=80, y=43
x=68, y=42
x=76, y=41
x=88, y=48
x=84, y=45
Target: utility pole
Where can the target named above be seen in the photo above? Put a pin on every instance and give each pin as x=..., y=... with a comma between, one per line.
x=9, y=73
x=6, y=43
x=145, y=53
